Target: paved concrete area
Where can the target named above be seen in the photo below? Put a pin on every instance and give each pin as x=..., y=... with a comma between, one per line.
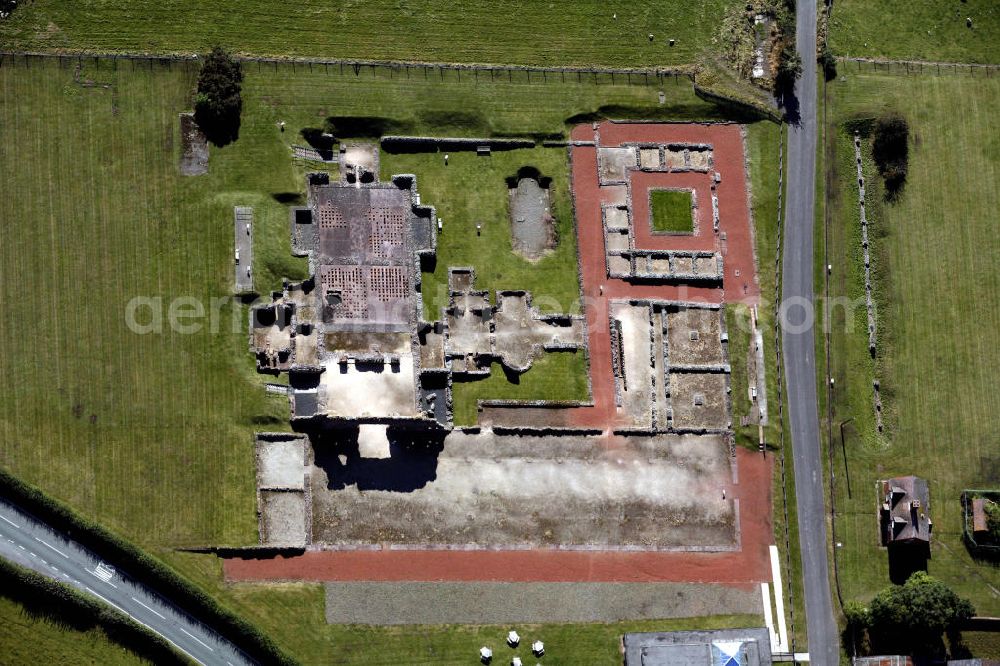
x=386, y=603
x=243, y=255
x=281, y=463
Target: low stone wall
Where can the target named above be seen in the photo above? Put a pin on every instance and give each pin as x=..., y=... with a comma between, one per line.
x=869, y=301
x=434, y=143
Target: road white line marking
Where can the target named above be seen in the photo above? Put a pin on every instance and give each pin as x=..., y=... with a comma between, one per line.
x=149, y=627
x=32, y=554
x=12, y=523
x=182, y=649
x=10, y=540
x=45, y=543
x=148, y=608
x=21, y=547
x=196, y=638
x=43, y=561
x=108, y=601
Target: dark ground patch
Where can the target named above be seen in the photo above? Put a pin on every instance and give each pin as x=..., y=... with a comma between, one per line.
x=532, y=226
x=194, y=147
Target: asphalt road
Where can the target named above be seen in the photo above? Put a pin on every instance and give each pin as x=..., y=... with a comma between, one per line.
x=33, y=544
x=799, y=350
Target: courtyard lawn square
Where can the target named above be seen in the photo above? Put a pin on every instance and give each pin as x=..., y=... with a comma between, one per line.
x=670, y=211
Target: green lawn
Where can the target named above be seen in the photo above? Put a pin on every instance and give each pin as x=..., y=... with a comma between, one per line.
x=935, y=254
x=670, y=211
x=27, y=639
x=471, y=190
x=484, y=31
x=917, y=30
x=555, y=376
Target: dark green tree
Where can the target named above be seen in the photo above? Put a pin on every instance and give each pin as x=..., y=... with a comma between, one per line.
x=829, y=63
x=993, y=519
x=922, y=607
x=890, y=150
x=218, y=104
x=789, y=68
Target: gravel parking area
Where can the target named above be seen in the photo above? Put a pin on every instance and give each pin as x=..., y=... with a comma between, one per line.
x=386, y=603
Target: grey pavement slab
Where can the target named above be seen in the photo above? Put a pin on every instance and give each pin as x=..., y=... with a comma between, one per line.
x=384, y=603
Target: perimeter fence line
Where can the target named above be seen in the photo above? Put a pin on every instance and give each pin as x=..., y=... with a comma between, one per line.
x=373, y=68
x=916, y=67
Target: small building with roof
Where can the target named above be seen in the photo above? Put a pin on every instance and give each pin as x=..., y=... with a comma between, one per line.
x=723, y=647
x=904, y=511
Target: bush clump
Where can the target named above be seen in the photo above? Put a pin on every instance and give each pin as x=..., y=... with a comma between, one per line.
x=218, y=104
x=909, y=618
x=890, y=150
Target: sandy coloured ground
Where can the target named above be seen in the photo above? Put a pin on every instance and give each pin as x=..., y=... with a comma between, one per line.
x=487, y=491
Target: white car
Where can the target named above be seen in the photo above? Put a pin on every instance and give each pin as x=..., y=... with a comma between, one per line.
x=237, y=255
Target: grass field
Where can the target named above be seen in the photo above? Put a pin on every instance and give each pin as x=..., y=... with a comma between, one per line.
x=670, y=211
x=471, y=190
x=27, y=639
x=151, y=434
x=935, y=254
x=484, y=31
x=917, y=30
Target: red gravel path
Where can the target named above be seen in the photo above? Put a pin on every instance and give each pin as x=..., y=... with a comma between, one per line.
x=749, y=565
x=598, y=288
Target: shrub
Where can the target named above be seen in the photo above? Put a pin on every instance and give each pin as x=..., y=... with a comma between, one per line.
x=993, y=519
x=857, y=615
x=789, y=67
x=828, y=62
x=891, y=152
x=218, y=103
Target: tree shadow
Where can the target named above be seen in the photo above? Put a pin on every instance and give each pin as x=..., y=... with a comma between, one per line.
x=790, y=103
x=411, y=465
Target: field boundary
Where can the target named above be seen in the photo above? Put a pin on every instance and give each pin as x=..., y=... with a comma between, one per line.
x=921, y=66
x=359, y=65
